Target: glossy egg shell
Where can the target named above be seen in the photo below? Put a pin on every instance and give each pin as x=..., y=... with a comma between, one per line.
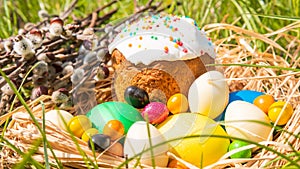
x=243, y=95
x=79, y=124
x=241, y=154
x=114, y=129
x=264, y=102
x=178, y=103
x=100, y=142
x=102, y=113
x=197, y=150
x=137, y=140
x=136, y=96
x=240, y=117
x=275, y=110
x=155, y=112
x=209, y=94
x=88, y=134
x=55, y=116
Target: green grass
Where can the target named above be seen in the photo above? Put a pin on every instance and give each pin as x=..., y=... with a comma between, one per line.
x=257, y=15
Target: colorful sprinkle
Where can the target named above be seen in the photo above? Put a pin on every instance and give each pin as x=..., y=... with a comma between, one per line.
x=175, y=45
x=130, y=45
x=171, y=38
x=179, y=43
x=166, y=49
x=185, y=50
x=141, y=38
x=139, y=46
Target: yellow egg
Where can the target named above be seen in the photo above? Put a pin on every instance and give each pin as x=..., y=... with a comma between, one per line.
x=275, y=110
x=199, y=151
x=88, y=134
x=178, y=103
x=209, y=94
x=79, y=124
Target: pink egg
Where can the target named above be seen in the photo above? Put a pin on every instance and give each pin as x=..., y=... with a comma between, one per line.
x=156, y=112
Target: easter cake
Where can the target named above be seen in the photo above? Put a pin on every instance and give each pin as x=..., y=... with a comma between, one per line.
x=162, y=54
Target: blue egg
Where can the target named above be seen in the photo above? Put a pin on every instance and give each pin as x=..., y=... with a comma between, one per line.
x=244, y=95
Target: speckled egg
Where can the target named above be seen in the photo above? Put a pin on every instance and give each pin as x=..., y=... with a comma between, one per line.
x=243, y=120
x=155, y=112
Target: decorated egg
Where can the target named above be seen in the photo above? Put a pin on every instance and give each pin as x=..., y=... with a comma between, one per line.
x=155, y=112
x=244, y=95
x=138, y=141
x=193, y=140
x=275, y=109
x=55, y=116
x=116, y=148
x=208, y=94
x=247, y=121
x=241, y=154
x=114, y=129
x=88, y=134
x=178, y=103
x=123, y=112
x=99, y=142
x=264, y=102
x=79, y=124
x=136, y=96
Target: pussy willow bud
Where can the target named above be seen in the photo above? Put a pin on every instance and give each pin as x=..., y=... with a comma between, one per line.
x=77, y=76
x=41, y=69
x=23, y=46
x=90, y=57
x=102, y=72
x=60, y=96
x=56, y=26
x=36, y=37
x=6, y=89
x=38, y=91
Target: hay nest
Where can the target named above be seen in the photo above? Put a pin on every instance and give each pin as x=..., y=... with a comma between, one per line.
x=273, y=70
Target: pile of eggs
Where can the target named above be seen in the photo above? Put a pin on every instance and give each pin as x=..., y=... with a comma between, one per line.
x=185, y=125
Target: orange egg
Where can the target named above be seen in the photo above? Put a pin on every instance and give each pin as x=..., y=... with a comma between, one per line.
x=114, y=129
x=178, y=103
x=264, y=102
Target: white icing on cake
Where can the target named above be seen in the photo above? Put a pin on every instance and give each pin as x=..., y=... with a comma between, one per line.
x=162, y=37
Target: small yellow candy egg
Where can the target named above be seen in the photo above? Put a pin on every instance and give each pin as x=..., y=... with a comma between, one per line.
x=178, y=103
x=275, y=110
x=79, y=124
x=88, y=134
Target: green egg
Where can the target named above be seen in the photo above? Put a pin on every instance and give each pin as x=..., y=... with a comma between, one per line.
x=242, y=154
x=103, y=113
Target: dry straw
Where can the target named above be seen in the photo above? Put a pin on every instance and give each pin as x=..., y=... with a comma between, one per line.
x=240, y=48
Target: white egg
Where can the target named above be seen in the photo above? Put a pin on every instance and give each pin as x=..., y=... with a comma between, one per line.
x=245, y=120
x=209, y=94
x=137, y=140
x=55, y=116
